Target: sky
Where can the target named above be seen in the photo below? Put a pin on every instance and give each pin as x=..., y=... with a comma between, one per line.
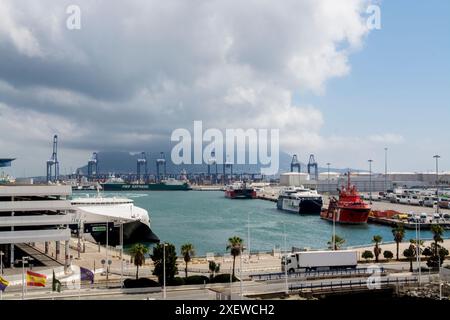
x=131, y=74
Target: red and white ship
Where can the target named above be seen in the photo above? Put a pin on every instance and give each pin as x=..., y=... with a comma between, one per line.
x=240, y=190
x=350, y=208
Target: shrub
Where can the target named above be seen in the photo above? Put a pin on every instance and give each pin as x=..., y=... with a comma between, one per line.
x=177, y=281
x=140, y=283
x=388, y=255
x=222, y=278
x=367, y=255
x=196, y=280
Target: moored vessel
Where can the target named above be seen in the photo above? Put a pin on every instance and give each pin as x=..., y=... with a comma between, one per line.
x=300, y=200
x=109, y=213
x=240, y=190
x=349, y=208
x=169, y=184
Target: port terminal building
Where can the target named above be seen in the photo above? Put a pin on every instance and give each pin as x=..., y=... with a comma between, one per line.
x=364, y=181
x=34, y=214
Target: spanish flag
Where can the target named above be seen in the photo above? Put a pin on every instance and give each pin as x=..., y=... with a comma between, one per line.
x=36, y=279
x=3, y=284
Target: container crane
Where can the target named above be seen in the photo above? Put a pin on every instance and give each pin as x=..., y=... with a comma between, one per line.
x=295, y=164
x=160, y=162
x=313, y=164
x=142, y=162
x=53, y=162
x=93, y=166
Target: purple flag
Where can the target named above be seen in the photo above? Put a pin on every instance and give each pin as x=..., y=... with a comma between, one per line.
x=86, y=274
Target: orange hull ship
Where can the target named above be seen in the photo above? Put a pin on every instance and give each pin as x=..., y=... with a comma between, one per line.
x=350, y=208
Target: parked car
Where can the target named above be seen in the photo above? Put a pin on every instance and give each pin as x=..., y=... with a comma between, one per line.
x=415, y=200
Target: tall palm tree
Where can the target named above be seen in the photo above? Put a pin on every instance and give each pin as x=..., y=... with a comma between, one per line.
x=236, y=246
x=410, y=253
x=377, y=251
x=437, y=231
x=398, y=233
x=138, y=252
x=187, y=251
x=338, y=243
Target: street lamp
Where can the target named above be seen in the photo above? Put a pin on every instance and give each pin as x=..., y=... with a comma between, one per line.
x=328, y=178
x=437, y=181
x=1, y=262
x=370, y=180
x=285, y=259
x=24, y=260
x=385, y=169
x=164, y=270
x=248, y=236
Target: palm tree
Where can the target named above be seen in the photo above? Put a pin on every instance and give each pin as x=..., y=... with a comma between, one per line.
x=187, y=250
x=437, y=231
x=137, y=253
x=235, y=245
x=410, y=253
x=337, y=243
x=399, y=234
x=214, y=268
x=377, y=251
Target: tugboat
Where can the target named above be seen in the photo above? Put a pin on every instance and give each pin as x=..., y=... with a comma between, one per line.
x=349, y=209
x=240, y=190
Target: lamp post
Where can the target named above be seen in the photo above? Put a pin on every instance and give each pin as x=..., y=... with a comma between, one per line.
x=437, y=181
x=24, y=260
x=248, y=236
x=385, y=169
x=285, y=259
x=164, y=270
x=370, y=179
x=418, y=249
x=1, y=262
x=328, y=178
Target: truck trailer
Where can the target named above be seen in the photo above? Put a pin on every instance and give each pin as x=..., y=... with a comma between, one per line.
x=319, y=260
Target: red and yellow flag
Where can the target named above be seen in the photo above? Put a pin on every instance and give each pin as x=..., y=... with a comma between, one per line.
x=36, y=279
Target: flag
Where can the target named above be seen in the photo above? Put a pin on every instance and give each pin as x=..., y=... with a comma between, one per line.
x=3, y=284
x=36, y=279
x=86, y=274
x=56, y=284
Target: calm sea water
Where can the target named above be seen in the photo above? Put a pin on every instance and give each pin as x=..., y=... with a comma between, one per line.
x=207, y=219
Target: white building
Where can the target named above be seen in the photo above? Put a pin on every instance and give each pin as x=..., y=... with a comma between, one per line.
x=34, y=213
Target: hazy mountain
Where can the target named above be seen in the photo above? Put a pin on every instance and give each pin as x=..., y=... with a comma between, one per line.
x=126, y=162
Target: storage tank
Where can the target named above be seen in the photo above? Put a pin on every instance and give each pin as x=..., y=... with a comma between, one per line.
x=294, y=179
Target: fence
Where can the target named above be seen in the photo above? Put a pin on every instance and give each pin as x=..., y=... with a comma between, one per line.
x=349, y=284
x=314, y=274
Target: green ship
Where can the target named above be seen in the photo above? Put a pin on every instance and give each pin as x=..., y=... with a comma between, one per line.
x=165, y=185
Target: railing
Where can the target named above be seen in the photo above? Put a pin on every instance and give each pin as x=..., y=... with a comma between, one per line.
x=312, y=274
x=349, y=284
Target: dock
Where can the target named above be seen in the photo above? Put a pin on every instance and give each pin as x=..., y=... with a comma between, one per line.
x=407, y=225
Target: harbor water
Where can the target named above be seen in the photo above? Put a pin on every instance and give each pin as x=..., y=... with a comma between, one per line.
x=207, y=219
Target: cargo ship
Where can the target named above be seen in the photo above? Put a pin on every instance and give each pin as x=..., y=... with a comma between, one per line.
x=300, y=200
x=165, y=185
x=240, y=190
x=349, y=209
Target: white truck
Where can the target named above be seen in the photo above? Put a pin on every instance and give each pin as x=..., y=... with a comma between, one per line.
x=319, y=260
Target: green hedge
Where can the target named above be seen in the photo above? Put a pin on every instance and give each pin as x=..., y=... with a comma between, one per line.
x=140, y=283
x=196, y=280
x=222, y=278
x=177, y=281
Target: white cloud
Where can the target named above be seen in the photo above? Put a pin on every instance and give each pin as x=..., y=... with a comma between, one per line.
x=387, y=138
x=136, y=71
